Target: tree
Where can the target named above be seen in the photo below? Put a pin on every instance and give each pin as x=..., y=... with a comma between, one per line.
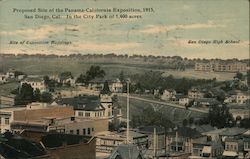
x=184, y=122
x=220, y=116
x=248, y=78
x=65, y=75
x=46, y=97
x=81, y=79
x=121, y=76
x=25, y=95
x=37, y=95
x=94, y=72
x=239, y=75
x=106, y=89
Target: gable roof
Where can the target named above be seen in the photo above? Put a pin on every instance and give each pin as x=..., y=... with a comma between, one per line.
x=125, y=151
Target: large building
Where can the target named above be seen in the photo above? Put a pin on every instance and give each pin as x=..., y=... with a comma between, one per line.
x=35, y=83
x=32, y=113
x=221, y=66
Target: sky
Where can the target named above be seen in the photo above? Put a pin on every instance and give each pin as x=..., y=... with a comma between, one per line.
x=164, y=32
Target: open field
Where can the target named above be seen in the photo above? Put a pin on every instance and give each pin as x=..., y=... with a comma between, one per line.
x=54, y=66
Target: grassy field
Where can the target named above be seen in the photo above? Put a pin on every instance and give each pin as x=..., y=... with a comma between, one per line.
x=54, y=66
x=5, y=89
x=174, y=114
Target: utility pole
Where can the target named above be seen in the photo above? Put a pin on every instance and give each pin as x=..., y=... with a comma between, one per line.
x=127, y=111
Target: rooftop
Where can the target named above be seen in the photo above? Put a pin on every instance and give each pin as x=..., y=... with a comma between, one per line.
x=87, y=103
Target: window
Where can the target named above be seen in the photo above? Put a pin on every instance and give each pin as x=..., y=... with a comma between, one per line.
x=87, y=114
x=7, y=121
x=77, y=132
x=88, y=131
x=80, y=113
x=71, y=131
x=84, y=131
x=92, y=129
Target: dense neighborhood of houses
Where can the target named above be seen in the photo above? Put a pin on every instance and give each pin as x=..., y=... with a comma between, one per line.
x=77, y=119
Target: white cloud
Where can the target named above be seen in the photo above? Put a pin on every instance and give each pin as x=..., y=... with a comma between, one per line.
x=37, y=33
x=158, y=29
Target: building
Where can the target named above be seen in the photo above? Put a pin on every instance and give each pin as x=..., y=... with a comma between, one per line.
x=13, y=146
x=240, y=113
x=92, y=106
x=233, y=147
x=7, y=101
x=3, y=78
x=10, y=74
x=184, y=101
x=64, y=146
x=85, y=106
x=156, y=140
x=205, y=102
x=182, y=139
x=242, y=97
x=67, y=125
x=35, y=83
x=221, y=66
x=126, y=151
x=207, y=149
x=195, y=93
x=168, y=94
x=109, y=141
x=116, y=86
x=32, y=112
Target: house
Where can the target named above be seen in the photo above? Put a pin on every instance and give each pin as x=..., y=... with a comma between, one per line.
x=116, y=86
x=222, y=134
x=32, y=112
x=35, y=83
x=233, y=147
x=68, y=81
x=85, y=106
x=168, y=94
x=96, y=84
x=196, y=93
x=7, y=100
x=205, y=102
x=207, y=149
x=240, y=113
x=242, y=97
x=246, y=142
x=10, y=74
x=184, y=101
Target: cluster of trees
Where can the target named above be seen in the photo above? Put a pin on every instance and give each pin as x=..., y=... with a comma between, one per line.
x=51, y=83
x=26, y=94
x=218, y=116
x=149, y=116
x=92, y=73
x=154, y=80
